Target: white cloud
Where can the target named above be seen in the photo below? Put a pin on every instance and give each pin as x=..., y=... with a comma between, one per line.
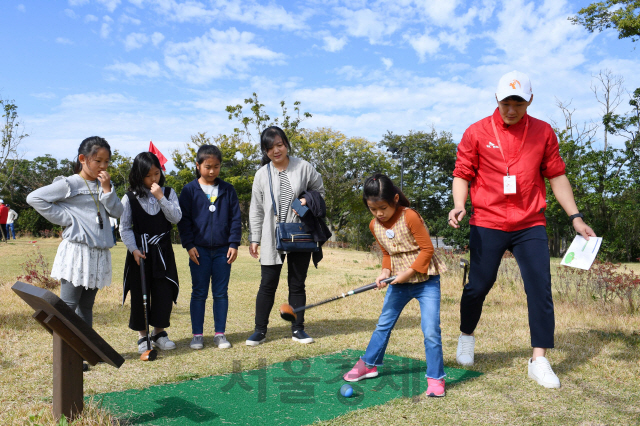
x=77, y=116
x=126, y=19
x=388, y=63
x=83, y=101
x=70, y=13
x=105, y=29
x=216, y=54
x=423, y=44
x=44, y=95
x=249, y=12
x=185, y=12
x=349, y=72
x=262, y=16
x=156, y=38
x=366, y=23
x=333, y=44
x=457, y=40
x=21, y=8
x=539, y=39
x=149, y=69
x=77, y=2
x=135, y=41
x=62, y=40
x=90, y=18
x=110, y=5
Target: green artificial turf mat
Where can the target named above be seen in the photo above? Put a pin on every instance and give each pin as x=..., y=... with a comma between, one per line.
x=296, y=392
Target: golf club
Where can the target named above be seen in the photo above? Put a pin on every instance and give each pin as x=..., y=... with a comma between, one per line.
x=287, y=312
x=150, y=354
x=464, y=263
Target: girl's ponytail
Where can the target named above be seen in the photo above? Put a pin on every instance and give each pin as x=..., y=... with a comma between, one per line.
x=379, y=187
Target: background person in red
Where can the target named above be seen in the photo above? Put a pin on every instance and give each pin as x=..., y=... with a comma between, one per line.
x=4, y=213
x=505, y=158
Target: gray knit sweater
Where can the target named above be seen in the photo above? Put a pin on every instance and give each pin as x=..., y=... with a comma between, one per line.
x=67, y=202
x=262, y=222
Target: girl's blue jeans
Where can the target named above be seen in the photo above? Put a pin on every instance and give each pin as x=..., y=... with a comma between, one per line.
x=215, y=269
x=427, y=293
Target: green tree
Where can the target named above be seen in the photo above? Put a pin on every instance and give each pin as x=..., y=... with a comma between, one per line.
x=240, y=151
x=428, y=164
x=252, y=125
x=240, y=161
x=29, y=175
x=344, y=163
x=12, y=135
x=601, y=181
x=119, y=169
x=623, y=15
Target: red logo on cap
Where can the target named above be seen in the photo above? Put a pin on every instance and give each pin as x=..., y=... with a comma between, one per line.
x=513, y=84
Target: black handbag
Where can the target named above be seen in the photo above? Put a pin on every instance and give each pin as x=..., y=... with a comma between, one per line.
x=291, y=236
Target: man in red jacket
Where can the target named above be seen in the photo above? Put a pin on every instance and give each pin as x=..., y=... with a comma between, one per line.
x=505, y=158
x=4, y=214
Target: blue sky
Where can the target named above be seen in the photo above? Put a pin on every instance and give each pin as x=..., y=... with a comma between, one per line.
x=162, y=70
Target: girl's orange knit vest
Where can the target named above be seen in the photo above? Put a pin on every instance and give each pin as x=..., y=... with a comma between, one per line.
x=403, y=249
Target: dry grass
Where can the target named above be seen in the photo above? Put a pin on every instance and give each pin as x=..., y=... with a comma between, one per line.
x=596, y=357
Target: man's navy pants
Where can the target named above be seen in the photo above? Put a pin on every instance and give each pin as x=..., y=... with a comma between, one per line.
x=531, y=249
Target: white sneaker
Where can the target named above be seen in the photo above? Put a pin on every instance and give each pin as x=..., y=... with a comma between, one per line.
x=142, y=345
x=540, y=371
x=221, y=341
x=464, y=354
x=161, y=341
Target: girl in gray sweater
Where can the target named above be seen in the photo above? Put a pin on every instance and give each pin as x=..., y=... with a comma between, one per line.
x=82, y=203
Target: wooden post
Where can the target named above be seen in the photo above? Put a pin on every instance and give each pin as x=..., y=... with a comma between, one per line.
x=67, y=380
x=73, y=341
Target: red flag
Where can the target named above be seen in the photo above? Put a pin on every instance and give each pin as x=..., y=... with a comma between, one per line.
x=156, y=151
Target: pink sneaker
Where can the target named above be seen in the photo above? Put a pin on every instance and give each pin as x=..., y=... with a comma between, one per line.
x=436, y=387
x=360, y=372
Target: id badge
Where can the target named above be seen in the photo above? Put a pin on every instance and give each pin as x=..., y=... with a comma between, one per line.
x=509, y=184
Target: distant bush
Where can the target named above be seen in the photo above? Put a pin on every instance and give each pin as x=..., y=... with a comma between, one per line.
x=30, y=222
x=37, y=271
x=605, y=281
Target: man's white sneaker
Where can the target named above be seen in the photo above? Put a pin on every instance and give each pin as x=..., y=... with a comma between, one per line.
x=540, y=371
x=464, y=354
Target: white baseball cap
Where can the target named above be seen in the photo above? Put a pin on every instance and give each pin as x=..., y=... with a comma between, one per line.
x=514, y=83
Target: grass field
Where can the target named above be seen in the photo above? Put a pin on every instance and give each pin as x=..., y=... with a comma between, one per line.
x=597, y=355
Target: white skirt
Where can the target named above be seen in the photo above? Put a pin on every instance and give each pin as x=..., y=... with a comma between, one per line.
x=82, y=265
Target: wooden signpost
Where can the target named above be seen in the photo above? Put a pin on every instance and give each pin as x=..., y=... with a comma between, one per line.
x=73, y=341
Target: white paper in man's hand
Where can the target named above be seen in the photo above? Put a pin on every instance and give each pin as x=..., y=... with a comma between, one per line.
x=582, y=253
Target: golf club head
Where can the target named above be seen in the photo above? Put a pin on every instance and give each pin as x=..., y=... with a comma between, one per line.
x=463, y=263
x=149, y=355
x=286, y=313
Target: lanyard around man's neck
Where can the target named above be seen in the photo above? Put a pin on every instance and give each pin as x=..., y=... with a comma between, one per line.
x=524, y=137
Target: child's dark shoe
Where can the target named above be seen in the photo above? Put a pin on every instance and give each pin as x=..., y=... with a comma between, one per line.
x=256, y=338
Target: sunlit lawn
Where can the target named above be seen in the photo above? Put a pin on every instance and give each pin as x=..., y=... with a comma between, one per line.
x=596, y=357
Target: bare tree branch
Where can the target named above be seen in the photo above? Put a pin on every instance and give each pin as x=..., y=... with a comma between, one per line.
x=608, y=89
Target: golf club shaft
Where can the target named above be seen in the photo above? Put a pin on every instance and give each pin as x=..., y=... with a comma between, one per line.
x=143, y=284
x=343, y=295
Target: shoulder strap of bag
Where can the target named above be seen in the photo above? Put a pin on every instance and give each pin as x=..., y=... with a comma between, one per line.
x=273, y=200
